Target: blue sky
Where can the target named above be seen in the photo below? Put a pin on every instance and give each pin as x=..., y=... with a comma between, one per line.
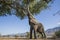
x=13, y=25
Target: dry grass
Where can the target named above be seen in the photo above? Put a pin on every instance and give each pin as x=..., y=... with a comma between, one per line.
x=26, y=39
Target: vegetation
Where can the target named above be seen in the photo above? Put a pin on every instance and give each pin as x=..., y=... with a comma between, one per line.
x=28, y=35
x=16, y=36
x=16, y=7
x=20, y=8
x=57, y=34
x=0, y=35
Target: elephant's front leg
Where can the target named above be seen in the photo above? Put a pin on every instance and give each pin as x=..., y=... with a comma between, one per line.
x=31, y=29
x=35, y=34
x=35, y=31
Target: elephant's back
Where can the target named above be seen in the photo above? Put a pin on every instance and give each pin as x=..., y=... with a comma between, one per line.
x=40, y=27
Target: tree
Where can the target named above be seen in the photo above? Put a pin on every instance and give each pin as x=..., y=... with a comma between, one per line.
x=16, y=36
x=58, y=12
x=22, y=7
x=18, y=6
x=0, y=35
x=28, y=35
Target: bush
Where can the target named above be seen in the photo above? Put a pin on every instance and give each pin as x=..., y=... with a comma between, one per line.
x=57, y=34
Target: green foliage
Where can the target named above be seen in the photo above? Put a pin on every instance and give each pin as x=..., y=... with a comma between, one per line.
x=16, y=36
x=57, y=34
x=26, y=1
x=28, y=35
x=5, y=7
x=35, y=6
x=0, y=35
x=38, y=7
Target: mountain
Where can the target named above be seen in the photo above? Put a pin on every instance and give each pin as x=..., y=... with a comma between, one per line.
x=50, y=32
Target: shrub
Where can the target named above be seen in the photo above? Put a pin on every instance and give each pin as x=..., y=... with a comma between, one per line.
x=57, y=34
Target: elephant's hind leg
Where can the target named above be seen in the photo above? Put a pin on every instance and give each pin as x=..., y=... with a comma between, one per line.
x=31, y=29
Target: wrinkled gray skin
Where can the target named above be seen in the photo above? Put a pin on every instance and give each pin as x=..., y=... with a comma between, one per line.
x=34, y=25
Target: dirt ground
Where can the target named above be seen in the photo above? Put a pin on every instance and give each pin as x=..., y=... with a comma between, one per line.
x=26, y=39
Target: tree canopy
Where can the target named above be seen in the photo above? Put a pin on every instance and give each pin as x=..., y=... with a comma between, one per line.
x=35, y=6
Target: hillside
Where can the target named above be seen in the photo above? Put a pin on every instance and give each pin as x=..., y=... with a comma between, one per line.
x=51, y=32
